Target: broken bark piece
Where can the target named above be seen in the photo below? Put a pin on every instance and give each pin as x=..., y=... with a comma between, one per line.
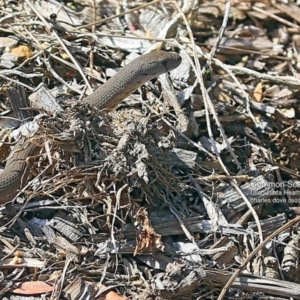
x=67, y=226
x=179, y=158
x=258, y=190
x=269, y=225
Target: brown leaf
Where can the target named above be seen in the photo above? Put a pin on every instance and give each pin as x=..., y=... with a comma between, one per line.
x=147, y=238
x=32, y=288
x=258, y=92
x=111, y=296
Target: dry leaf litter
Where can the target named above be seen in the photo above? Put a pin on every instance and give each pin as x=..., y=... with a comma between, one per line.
x=189, y=189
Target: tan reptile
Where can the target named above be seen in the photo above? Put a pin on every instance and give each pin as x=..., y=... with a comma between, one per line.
x=116, y=89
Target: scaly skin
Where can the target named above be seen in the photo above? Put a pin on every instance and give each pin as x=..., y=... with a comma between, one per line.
x=109, y=95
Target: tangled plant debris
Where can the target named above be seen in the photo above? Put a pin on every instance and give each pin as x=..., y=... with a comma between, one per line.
x=188, y=189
